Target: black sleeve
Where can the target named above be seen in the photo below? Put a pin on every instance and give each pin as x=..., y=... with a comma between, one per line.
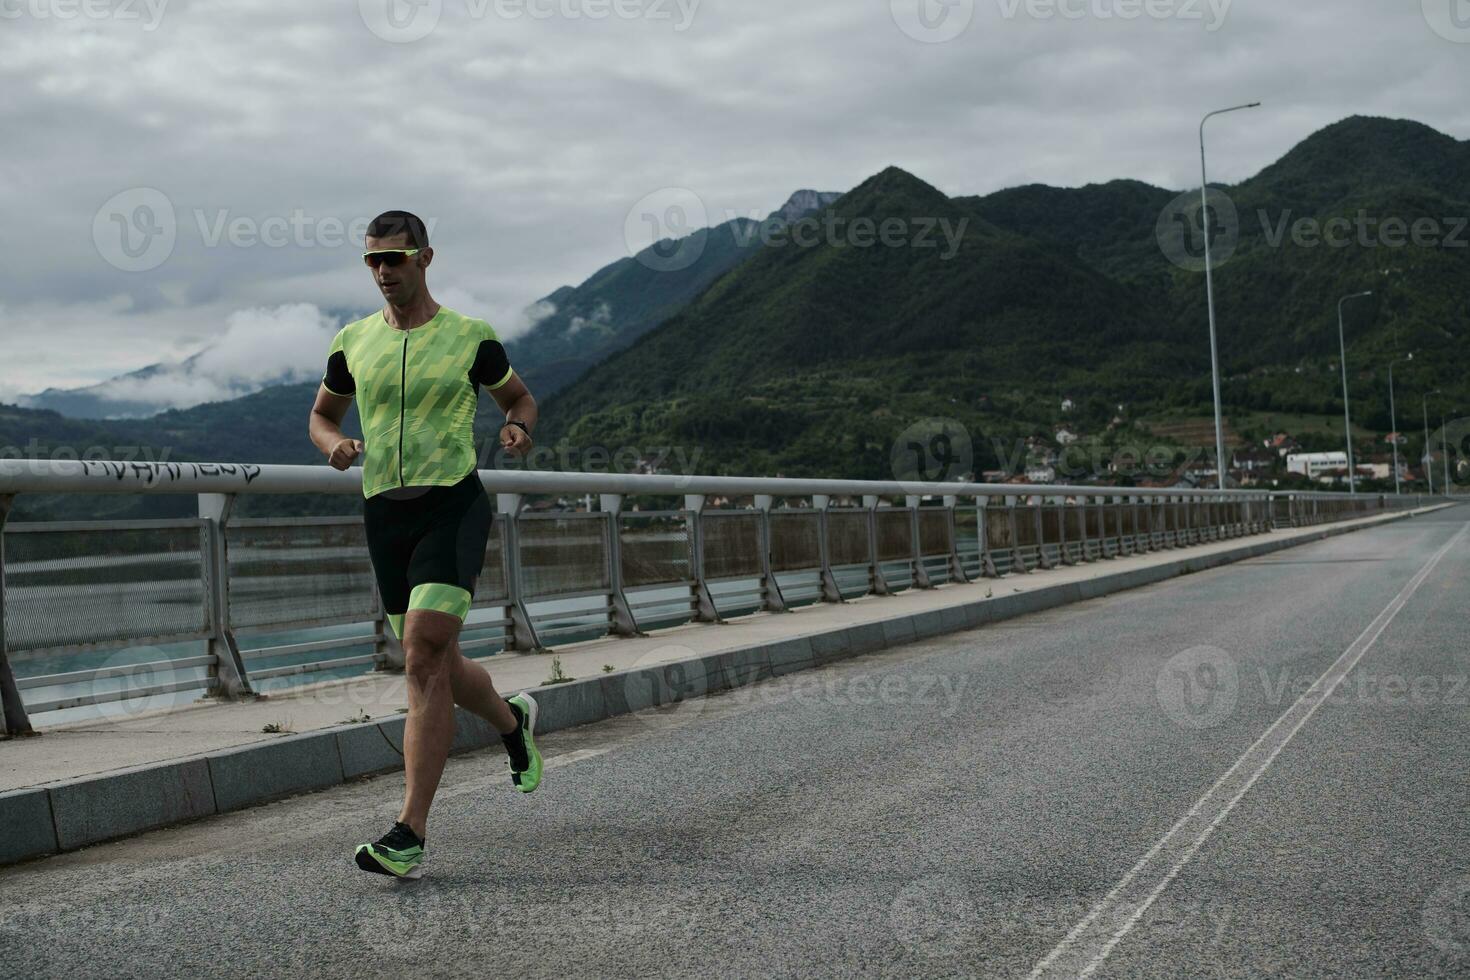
x=492, y=365
x=338, y=379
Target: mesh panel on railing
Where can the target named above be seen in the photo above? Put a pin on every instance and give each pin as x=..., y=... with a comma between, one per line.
x=1075, y=516
x=1112, y=521
x=1051, y=524
x=124, y=583
x=732, y=545
x=967, y=529
x=299, y=573
x=1094, y=522
x=563, y=555
x=895, y=534
x=933, y=532
x=796, y=541
x=998, y=528
x=1026, y=534
x=656, y=550
x=847, y=537
x=491, y=587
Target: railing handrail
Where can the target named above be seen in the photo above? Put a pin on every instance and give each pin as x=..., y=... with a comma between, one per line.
x=19, y=476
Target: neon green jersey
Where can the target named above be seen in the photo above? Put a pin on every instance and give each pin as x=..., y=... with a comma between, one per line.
x=416, y=394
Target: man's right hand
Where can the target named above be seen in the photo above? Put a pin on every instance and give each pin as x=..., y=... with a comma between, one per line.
x=345, y=453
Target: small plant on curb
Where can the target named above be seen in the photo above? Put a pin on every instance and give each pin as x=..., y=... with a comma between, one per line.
x=277, y=728
x=608, y=668
x=558, y=676
x=357, y=719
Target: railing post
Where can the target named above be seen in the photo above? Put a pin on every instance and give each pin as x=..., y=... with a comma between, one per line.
x=231, y=681
x=877, y=584
x=823, y=504
x=522, y=638
x=1042, y=561
x=13, y=717
x=1018, y=561
x=1082, y=557
x=705, y=610
x=921, y=574
x=771, y=598
x=956, y=567
x=621, y=621
x=982, y=534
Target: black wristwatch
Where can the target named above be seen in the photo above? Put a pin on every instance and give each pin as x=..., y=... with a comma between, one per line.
x=520, y=425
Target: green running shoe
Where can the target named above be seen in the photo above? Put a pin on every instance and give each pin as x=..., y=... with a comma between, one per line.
x=399, y=853
x=520, y=745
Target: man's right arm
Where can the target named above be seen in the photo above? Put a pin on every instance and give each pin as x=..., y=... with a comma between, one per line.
x=325, y=429
x=333, y=399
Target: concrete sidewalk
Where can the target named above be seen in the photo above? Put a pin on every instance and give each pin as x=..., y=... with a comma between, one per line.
x=89, y=782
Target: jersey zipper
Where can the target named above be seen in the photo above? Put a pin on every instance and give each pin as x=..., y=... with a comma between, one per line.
x=402, y=407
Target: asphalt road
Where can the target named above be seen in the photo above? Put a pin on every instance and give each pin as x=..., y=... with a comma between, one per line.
x=1146, y=785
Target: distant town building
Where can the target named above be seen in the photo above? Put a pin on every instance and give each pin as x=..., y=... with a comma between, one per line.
x=1314, y=465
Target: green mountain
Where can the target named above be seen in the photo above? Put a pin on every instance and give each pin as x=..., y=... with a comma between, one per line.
x=813, y=360
x=623, y=301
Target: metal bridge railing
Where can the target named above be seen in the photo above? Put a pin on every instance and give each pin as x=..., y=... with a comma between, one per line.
x=70, y=590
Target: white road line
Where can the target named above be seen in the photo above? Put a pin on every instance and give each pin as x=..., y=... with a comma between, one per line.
x=1093, y=939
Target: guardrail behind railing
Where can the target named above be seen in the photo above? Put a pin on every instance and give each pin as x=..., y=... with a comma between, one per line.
x=74, y=588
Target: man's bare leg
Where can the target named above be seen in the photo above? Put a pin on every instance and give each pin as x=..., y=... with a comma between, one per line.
x=475, y=691
x=430, y=641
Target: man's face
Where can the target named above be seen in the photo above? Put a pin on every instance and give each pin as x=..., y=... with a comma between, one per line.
x=400, y=284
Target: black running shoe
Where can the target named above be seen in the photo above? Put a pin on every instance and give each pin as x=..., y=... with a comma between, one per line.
x=399, y=853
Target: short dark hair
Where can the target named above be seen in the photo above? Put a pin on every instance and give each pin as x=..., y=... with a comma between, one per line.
x=391, y=223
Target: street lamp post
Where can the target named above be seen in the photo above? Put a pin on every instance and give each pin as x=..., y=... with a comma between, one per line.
x=1346, y=415
x=1444, y=451
x=1428, y=455
x=1394, y=422
x=1204, y=194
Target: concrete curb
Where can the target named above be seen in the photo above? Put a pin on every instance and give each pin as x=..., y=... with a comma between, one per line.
x=66, y=816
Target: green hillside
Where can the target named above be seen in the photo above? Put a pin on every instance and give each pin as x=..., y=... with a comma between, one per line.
x=811, y=360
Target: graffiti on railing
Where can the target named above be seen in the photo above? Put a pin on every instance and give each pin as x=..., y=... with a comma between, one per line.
x=154, y=474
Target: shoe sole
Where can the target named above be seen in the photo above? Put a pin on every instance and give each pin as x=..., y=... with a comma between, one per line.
x=368, y=861
x=532, y=711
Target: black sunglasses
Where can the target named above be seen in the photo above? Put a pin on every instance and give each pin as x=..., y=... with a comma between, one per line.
x=390, y=257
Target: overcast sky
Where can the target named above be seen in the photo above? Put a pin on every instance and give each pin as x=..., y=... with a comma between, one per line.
x=181, y=173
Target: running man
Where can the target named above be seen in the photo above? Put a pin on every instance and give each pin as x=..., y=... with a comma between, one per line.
x=416, y=369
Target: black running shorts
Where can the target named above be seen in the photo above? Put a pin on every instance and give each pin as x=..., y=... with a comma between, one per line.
x=428, y=550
